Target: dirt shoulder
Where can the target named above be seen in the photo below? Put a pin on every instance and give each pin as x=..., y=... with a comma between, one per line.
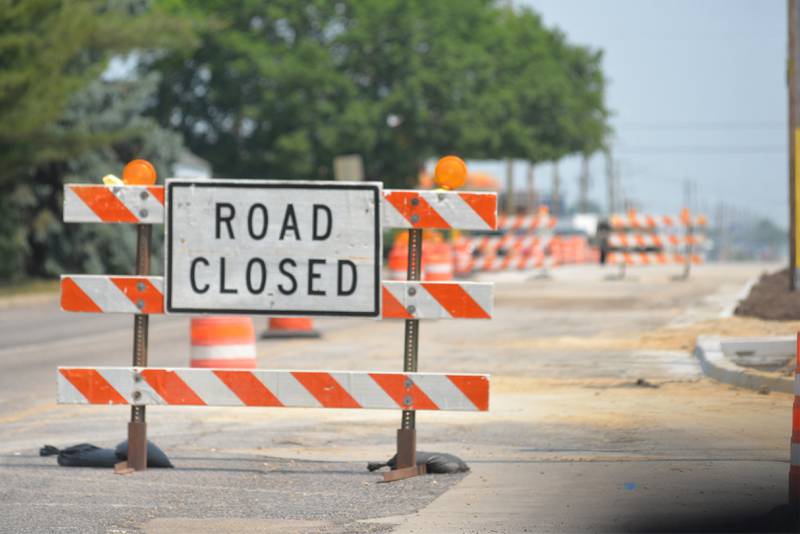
x=771, y=299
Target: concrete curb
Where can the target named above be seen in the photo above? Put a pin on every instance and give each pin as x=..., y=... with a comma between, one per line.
x=717, y=366
x=730, y=309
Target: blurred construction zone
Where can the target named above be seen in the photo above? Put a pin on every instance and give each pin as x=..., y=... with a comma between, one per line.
x=535, y=240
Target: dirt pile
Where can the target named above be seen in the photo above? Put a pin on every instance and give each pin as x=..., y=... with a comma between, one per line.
x=771, y=299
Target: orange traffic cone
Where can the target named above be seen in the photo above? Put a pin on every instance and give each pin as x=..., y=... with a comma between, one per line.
x=223, y=342
x=290, y=327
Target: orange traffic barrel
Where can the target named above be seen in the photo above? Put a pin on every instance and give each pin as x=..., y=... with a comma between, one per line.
x=223, y=342
x=290, y=327
x=438, y=261
x=398, y=262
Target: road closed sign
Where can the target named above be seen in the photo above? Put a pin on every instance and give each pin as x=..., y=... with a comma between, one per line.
x=274, y=248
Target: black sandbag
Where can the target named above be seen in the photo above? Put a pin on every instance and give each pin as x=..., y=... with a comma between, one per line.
x=436, y=462
x=81, y=455
x=155, y=456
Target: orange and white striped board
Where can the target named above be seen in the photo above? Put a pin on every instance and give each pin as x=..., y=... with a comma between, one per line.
x=639, y=221
x=112, y=294
x=503, y=253
x=526, y=222
x=444, y=210
x=644, y=240
x=650, y=258
x=437, y=300
x=401, y=209
x=287, y=389
x=401, y=300
x=131, y=204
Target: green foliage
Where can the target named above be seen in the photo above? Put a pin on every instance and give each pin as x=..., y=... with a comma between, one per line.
x=260, y=96
x=59, y=121
x=113, y=110
x=51, y=49
x=277, y=90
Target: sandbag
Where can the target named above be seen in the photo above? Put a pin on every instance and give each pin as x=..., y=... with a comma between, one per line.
x=81, y=455
x=155, y=456
x=436, y=462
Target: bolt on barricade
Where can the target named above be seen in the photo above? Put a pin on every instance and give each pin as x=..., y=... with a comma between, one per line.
x=244, y=282
x=640, y=240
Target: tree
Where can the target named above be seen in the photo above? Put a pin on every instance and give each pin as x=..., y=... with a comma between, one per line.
x=114, y=110
x=260, y=97
x=276, y=91
x=58, y=117
x=50, y=50
x=421, y=67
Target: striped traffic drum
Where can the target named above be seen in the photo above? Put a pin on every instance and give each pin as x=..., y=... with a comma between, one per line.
x=223, y=342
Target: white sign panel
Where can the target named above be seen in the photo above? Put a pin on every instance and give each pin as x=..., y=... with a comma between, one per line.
x=277, y=248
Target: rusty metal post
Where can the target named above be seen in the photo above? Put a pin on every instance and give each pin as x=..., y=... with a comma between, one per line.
x=687, y=266
x=137, y=428
x=406, y=466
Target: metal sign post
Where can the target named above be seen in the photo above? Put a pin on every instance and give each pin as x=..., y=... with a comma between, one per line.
x=407, y=434
x=687, y=266
x=137, y=428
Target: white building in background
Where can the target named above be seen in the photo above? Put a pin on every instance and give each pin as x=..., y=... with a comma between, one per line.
x=191, y=166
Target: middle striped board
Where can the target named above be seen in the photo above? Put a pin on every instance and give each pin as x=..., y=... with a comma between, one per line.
x=401, y=300
x=287, y=389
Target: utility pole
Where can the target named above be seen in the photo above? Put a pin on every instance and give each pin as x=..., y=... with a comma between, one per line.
x=510, y=186
x=555, y=190
x=793, y=71
x=610, y=182
x=583, y=185
x=687, y=194
x=530, y=179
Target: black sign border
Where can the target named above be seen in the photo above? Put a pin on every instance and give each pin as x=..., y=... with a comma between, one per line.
x=378, y=198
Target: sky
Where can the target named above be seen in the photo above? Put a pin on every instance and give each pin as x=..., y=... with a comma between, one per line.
x=697, y=92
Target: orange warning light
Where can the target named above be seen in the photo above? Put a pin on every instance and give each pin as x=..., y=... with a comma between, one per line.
x=139, y=172
x=450, y=172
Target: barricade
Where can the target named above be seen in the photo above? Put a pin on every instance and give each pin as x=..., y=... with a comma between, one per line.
x=640, y=240
x=523, y=243
x=411, y=300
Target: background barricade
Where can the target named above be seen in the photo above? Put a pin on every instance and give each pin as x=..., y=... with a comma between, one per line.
x=637, y=239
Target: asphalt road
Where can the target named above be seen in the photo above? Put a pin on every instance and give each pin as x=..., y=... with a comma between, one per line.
x=571, y=442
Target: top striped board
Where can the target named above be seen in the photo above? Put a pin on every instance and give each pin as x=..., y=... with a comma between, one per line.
x=654, y=221
x=130, y=204
x=526, y=222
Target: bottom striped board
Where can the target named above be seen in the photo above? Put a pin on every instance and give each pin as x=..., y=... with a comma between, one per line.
x=649, y=258
x=290, y=389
